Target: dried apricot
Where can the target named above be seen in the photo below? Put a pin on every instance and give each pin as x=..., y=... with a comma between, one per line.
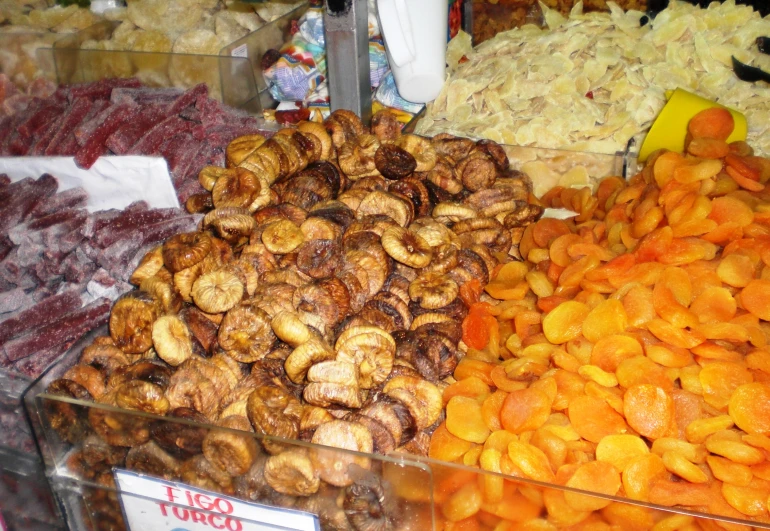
x=714, y=304
x=736, y=270
x=749, y=407
x=708, y=148
x=730, y=210
x=698, y=430
x=649, y=410
x=676, y=463
x=525, y=410
x=608, y=318
x=531, y=461
x=639, y=474
x=729, y=472
x=719, y=379
x=565, y=322
x=754, y=298
x=464, y=420
x=642, y=370
x=609, y=352
x=553, y=446
x=463, y=504
x=715, y=122
x=751, y=499
x=490, y=409
x=620, y=450
x=445, y=446
x=594, y=476
x=594, y=419
x=472, y=387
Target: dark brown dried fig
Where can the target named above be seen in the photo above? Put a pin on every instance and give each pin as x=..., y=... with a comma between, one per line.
x=319, y=258
x=180, y=439
x=393, y=162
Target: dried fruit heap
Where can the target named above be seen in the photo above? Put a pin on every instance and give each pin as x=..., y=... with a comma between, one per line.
x=630, y=353
x=320, y=300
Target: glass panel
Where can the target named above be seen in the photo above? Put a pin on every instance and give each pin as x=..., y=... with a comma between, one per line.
x=230, y=79
x=88, y=441
x=19, y=58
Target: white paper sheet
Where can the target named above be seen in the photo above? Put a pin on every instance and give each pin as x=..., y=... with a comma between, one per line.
x=113, y=182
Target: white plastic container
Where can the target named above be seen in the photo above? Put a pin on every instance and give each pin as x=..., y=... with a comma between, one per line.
x=415, y=34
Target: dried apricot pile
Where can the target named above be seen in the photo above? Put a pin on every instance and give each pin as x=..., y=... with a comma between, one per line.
x=628, y=353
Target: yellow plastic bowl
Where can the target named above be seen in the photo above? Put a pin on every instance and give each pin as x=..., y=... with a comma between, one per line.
x=670, y=127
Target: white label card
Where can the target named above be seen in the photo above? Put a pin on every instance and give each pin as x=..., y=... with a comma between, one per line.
x=152, y=504
x=240, y=51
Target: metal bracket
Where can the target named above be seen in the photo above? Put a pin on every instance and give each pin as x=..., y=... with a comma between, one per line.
x=346, y=28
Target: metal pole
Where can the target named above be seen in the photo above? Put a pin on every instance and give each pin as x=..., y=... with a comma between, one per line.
x=347, y=56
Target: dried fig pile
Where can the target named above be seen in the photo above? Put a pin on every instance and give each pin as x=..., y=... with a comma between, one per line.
x=320, y=300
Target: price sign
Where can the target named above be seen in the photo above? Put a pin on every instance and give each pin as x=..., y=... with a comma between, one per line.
x=152, y=504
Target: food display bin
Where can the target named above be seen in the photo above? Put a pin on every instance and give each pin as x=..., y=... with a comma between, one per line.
x=230, y=79
x=23, y=57
x=104, y=487
x=271, y=36
x=111, y=467
x=26, y=503
x=233, y=77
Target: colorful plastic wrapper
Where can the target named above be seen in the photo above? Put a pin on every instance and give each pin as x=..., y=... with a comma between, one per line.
x=300, y=73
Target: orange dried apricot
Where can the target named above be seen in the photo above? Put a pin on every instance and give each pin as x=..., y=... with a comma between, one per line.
x=715, y=122
x=751, y=499
x=730, y=210
x=708, y=148
x=531, y=461
x=714, y=304
x=565, y=322
x=490, y=409
x=609, y=352
x=639, y=475
x=525, y=410
x=620, y=450
x=472, y=387
x=463, y=504
x=546, y=230
x=594, y=476
x=729, y=472
x=649, y=410
x=719, y=379
x=513, y=507
x=464, y=420
x=606, y=319
x=642, y=370
x=445, y=446
x=677, y=464
x=736, y=270
x=754, y=298
x=594, y=419
x=749, y=407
